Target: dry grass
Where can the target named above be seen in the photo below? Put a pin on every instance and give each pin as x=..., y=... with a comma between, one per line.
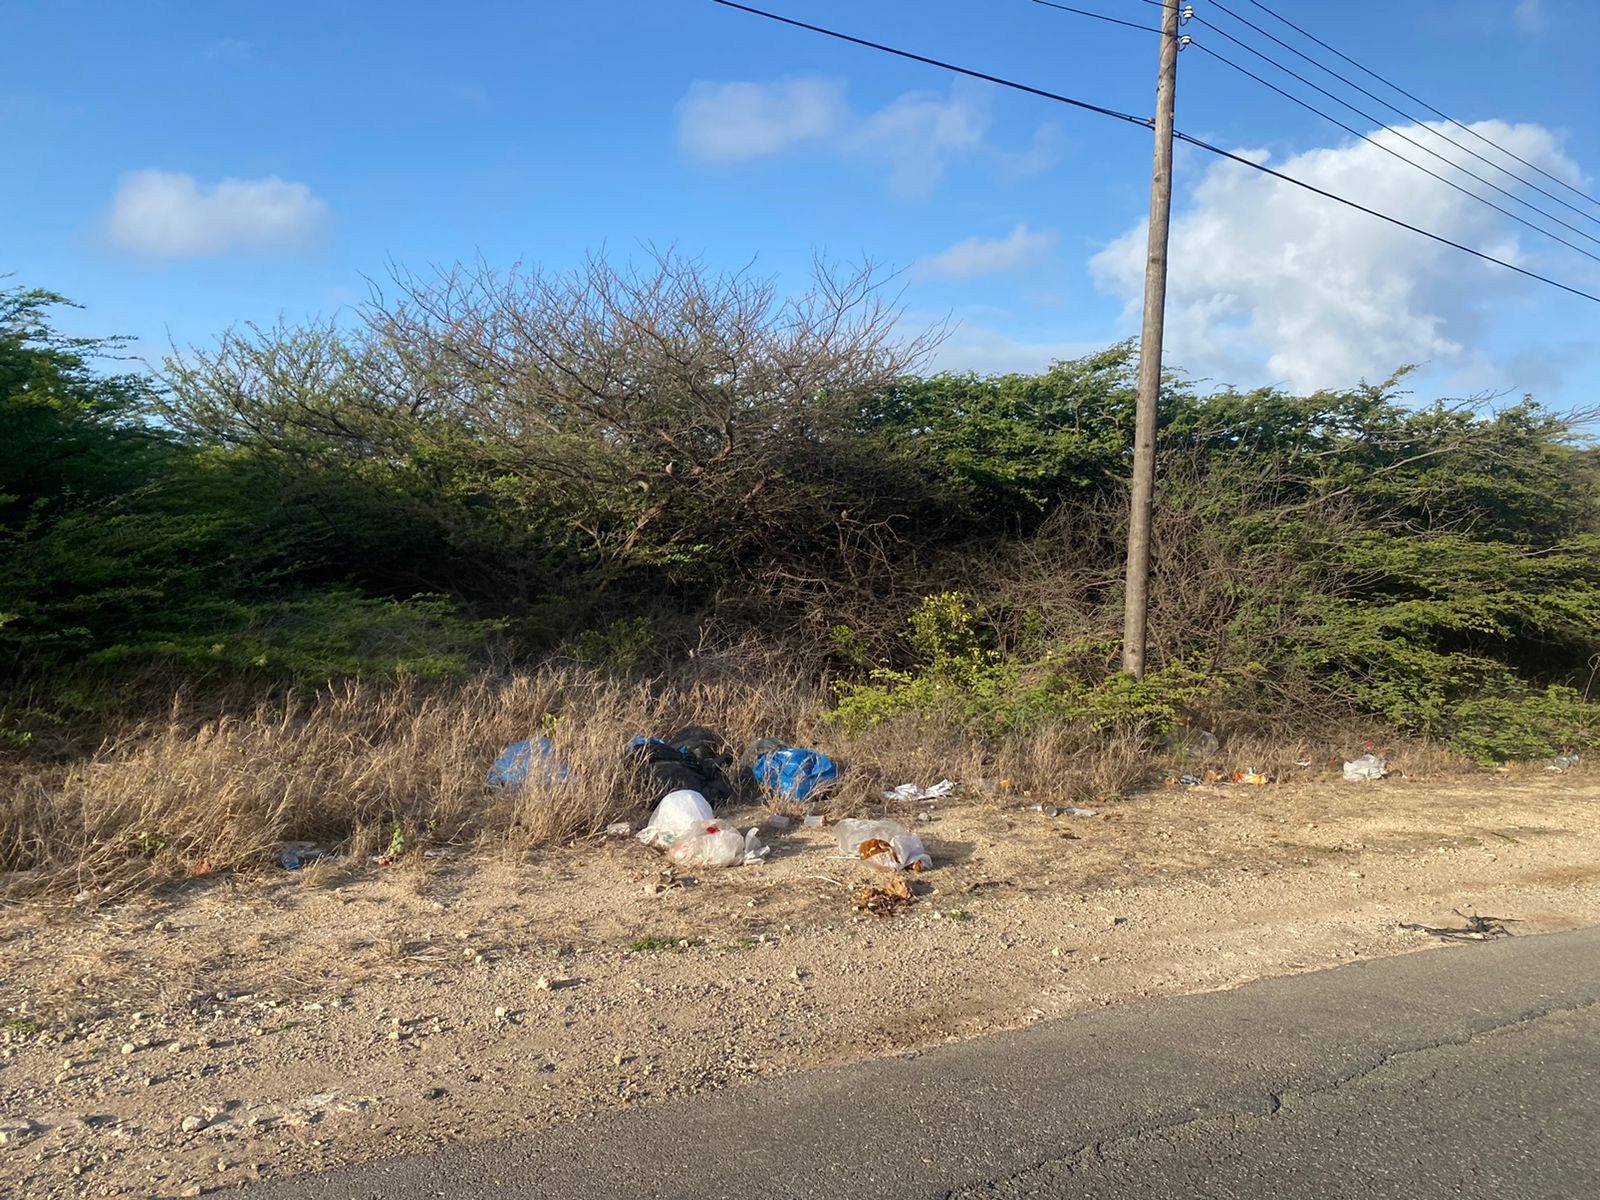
x=349, y=767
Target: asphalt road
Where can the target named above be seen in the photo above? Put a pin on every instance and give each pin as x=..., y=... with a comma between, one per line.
x=1472, y=1070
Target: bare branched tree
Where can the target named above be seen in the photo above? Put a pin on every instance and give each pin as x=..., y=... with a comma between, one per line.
x=652, y=396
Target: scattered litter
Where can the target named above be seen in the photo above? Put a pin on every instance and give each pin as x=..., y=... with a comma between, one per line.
x=1477, y=928
x=1563, y=762
x=1061, y=812
x=778, y=821
x=815, y=820
x=296, y=855
x=662, y=882
x=792, y=772
x=619, y=829
x=1186, y=780
x=884, y=845
x=1304, y=763
x=708, y=844
x=886, y=900
x=1079, y=812
x=1368, y=766
x=512, y=768
x=440, y=852
x=910, y=793
x=675, y=814
x=1254, y=778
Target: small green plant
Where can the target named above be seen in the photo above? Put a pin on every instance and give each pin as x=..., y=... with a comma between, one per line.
x=22, y=1025
x=397, y=840
x=619, y=648
x=652, y=942
x=849, y=647
x=142, y=843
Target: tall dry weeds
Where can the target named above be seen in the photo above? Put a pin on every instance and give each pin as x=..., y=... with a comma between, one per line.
x=362, y=767
x=352, y=765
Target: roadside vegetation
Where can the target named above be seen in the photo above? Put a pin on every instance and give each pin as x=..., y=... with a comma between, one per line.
x=305, y=583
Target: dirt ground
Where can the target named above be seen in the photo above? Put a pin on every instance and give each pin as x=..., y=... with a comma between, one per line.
x=239, y=1029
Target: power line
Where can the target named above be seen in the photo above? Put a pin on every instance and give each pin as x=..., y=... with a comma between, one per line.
x=1143, y=123
x=945, y=66
x=1417, y=100
x=1308, y=106
x=1399, y=134
x=1396, y=109
x=1084, y=12
x=1372, y=212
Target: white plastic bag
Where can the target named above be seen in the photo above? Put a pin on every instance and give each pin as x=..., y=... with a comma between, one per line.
x=1368, y=766
x=910, y=793
x=710, y=844
x=884, y=845
x=676, y=813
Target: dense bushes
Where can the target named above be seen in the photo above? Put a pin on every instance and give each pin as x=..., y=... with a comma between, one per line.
x=133, y=560
x=620, y=467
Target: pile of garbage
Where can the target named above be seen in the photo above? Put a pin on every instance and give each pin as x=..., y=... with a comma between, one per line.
x=693, y=771
x=684, y=826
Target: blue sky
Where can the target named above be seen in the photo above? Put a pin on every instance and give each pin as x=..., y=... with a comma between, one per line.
x=180, y=167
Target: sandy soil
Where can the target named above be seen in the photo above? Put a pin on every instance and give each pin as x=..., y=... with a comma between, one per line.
x=239, y=1029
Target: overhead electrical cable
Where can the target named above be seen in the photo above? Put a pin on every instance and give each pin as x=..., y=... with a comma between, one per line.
x=1084, y=12
x=1146, y=123
x=1419, y=122
x=1309, y=107
x=1583, y=233
x=1556, y=179
x=1372, y=212
x=1549, y=216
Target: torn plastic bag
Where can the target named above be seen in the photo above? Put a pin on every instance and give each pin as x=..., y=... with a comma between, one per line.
x=795, y=773
x=885, y=845
x=677, y=812
x=1368, y=766
x=516, y=761
x=710, y=844
x=910, y=793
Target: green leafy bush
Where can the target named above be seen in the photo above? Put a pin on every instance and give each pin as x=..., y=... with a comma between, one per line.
x=619, y=648
x=958, y=675
x=1529, y=726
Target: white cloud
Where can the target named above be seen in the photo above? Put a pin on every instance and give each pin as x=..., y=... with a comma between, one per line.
x=1267, y=276
x=977, y=257
x=1530, y=16
x=918, y=135
x=736, y=122
x=167, y=214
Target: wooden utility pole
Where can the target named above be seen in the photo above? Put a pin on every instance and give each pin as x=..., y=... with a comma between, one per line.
x=1137, y=606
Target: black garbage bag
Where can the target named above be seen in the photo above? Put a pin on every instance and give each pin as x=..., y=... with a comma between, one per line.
x=694, y=758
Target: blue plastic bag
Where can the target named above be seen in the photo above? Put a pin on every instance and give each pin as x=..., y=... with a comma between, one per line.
x=794, y=773
x=516, y=761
